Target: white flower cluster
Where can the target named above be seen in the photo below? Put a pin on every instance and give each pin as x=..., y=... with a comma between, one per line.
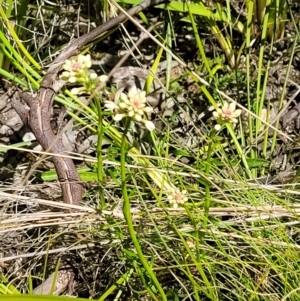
x=228, y=113
x=77, y=70
x=132, y=105
x=177, y=197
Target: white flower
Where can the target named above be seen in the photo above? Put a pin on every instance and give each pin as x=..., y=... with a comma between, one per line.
x=132, y=105
x=134, y=101
x=76, y=69
x=228, y=113
x=78, y=64
x=177, y=197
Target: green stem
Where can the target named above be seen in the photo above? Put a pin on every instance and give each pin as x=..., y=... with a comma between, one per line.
x=199, y=42
x=121, y=281
x=127, y=215
x=239, y=150
x=250, y=7
x=99, y=154
x=207, y=184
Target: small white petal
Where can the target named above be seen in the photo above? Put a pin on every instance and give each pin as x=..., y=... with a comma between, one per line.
x=65, y=75
x=232, y=106
x=131, y=113
x=225, y=106
x=110, y=105
x=137, y=117
x=80, y=58
x=141, y=105
x=93, y=75
x=124, y=98
x=237, y=113
x=88, y=61
x=143, y=95
x=215, y=114
x=119, y=117
x=72, y=79
x=217, y=127
x=103, y=78
x=133, y=91
x=148, y=109
x=67, y=65
x=77, y=91
x=149, y=125
x=123, y=105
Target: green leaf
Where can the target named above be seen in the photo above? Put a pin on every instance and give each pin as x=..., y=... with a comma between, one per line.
x=201, y=10
x=37, y=298
x=5, y=148
x=252, y=163
x=86, y=175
